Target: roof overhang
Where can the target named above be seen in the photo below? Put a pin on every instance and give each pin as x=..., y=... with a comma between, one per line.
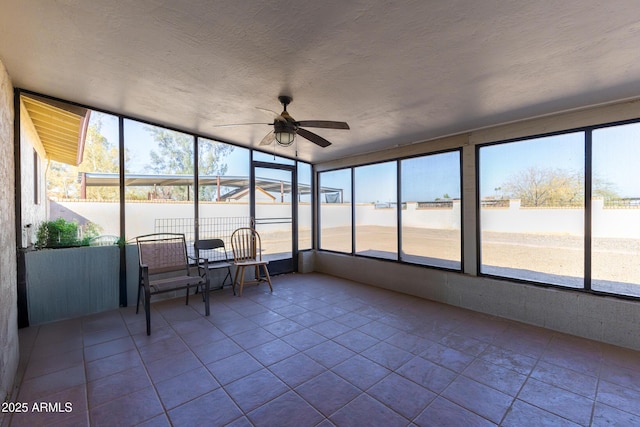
x=98, y=179
x=61, y=127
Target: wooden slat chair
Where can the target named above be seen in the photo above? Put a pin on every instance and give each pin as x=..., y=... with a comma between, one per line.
x=215, y=252
x=164, y=267
x=247, y=252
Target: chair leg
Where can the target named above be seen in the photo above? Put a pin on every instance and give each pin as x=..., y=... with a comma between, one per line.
x=138, y=300
x=225, y=277
x=266, y=273
x=206, y=298
x=241, y=281
x=187, y=303
x=147, y=310
x=235, y=280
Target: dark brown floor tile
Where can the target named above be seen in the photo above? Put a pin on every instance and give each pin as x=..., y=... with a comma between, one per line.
x=308, y=318
x=109, y=348
x=207, y=335
x=356, y=341
x=172, y=366
x=163, y=349
x=213, y=409
x=404, y=396
x=604, y=415
x=329, y=353
x=448, y=357
x=70, y=408
x=495, y=376
x=523, y=414
x=330, y=328
x=126, y=411
x=434, y=377
x=211, y=352
x=619, y=397
x=119, y=384
x=159, y=421
x=620, y=375
x=361, y=372
x=584, y=363
x=509, y=359
x=478, y=398
x=327, y=392
x=272, y=352
x=409, y=342
x=304, y=339
x=561, y=402
x=183, y=388
x=104, y=335
x=576, y=382
x=41, y=365
x=378, y=330
x=286, y=410
x=353, y=320
x=365, y=410
x=283, y=327
x=297, y=369
x=387, y=355
x=442, y=412
x=234, y=367
x=256, y=389
x=39, y=387
x=253, y=337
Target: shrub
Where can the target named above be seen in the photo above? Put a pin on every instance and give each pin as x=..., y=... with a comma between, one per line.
x=60, y=233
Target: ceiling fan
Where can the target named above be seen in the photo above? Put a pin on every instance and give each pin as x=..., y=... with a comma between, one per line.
x=285, y=127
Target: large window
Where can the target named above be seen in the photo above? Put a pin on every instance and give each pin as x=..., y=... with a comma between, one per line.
x=431, y=214
x=335, y=210
x=376, y=215
x=304, y=206
x=223, y=189
x=616, y=210
x=159, y=179
x=88, y=193
x=532, y=209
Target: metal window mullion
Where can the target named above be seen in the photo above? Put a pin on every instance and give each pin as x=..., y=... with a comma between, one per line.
x=123, y=234
x=588, y=195
x=353, y=211
x=196, y=190
x=399, y=208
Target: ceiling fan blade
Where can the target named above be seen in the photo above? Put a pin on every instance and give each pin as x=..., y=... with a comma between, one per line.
x=268, y=138
x=240, y=124
x=276, y=116
x=327, y=124
x=316, y=139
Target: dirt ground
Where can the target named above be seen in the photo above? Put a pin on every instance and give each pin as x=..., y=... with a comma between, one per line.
x=547, y=258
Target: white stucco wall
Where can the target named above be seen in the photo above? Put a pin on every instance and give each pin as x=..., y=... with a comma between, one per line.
x=32, y=213
x=8, y=275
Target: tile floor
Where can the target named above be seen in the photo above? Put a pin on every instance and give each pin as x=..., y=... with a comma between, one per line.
x=320, y=351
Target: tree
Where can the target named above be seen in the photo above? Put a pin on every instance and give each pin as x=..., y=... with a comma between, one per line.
x=536, y=187
x=175, y=157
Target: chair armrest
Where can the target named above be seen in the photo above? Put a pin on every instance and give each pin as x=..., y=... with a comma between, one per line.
x=202, y=264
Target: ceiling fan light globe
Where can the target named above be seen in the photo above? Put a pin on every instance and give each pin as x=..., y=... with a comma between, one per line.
x=285, y=139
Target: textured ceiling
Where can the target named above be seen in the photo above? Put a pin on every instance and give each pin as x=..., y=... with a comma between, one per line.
x=397, y=71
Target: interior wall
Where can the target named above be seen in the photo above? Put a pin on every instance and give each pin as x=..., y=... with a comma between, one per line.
x=606, y=319
x=8, y=274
